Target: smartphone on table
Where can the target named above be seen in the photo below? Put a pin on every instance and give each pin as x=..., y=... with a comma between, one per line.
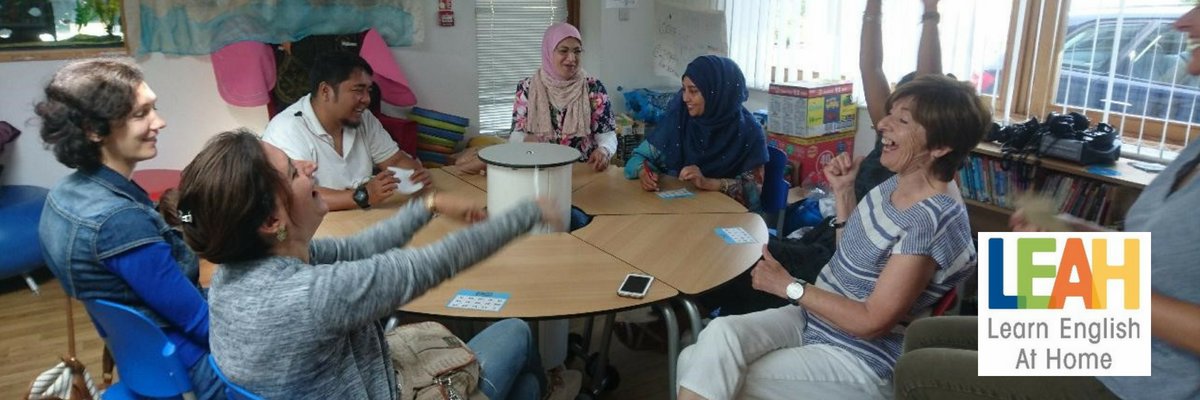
x=635, y=286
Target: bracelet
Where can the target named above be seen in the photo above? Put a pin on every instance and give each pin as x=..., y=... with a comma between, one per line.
x=430, y=202
x=871, y=17
x=932, y=15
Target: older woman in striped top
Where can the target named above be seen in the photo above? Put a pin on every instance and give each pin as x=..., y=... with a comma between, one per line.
x=899, y=251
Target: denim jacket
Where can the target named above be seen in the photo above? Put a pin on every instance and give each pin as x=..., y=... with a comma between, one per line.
x=90, y=216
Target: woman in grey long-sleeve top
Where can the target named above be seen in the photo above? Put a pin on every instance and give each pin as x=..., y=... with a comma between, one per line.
x=297, y=318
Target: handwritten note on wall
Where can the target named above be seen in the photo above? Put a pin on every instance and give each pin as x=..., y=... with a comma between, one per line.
x=684, y=34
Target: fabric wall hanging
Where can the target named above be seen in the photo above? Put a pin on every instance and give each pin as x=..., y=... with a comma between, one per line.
x=196, y=27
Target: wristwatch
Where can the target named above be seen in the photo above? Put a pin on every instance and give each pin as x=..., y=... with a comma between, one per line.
x=362, y=198
x=836, y=225
x=795, y=291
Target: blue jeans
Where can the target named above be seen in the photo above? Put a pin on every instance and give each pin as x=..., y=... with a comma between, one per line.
x=579, y=219
x=509, y=362
x=205, y=383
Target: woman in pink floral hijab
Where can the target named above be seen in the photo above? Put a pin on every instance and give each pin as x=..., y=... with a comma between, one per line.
x=561, y=104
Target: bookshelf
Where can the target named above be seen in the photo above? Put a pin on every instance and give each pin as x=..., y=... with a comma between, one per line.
x=1129, y=176
x=990, y=189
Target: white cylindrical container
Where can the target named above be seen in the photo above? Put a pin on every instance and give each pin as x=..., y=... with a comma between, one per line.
x=520, y=171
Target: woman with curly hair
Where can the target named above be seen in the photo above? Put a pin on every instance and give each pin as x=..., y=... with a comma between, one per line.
x=101, y=235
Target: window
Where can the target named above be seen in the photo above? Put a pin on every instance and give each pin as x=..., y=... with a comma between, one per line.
x=778, y=40
x=1142, y=87
x=1085, y=41
x=508, y=49
x=1118, y=61
x=44, y=29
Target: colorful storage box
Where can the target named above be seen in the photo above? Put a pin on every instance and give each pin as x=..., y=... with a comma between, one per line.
x=811, y=108
x=811, y=154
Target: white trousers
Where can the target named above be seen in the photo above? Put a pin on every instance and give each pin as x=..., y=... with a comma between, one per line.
x=763, y=356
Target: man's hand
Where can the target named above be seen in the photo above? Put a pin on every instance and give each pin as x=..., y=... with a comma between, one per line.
x=381, y=187
x=422, y=176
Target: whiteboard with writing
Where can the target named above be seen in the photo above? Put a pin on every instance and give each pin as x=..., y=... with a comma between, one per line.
x=683, y=34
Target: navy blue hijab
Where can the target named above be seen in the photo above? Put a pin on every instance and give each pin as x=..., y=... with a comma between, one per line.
x=725, y=141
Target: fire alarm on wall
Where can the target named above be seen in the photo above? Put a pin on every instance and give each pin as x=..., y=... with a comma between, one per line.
x=445, y=12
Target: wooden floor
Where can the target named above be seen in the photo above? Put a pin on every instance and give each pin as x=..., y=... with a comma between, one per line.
x=33, y=334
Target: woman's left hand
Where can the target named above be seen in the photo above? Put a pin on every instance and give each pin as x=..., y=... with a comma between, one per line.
x=769, y=276
x=459, y=208
x=600, y=159
x=692, y=174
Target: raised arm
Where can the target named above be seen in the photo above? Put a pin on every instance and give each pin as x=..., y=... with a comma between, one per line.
x=929, y=54
x=841, y=172
x=870, y=62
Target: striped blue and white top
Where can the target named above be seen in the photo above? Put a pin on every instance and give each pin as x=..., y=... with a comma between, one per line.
x=936, y=227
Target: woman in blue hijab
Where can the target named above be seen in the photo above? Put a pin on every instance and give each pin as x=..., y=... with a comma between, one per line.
x=707, y=137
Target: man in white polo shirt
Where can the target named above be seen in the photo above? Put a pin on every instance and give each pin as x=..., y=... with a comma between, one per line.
x=332, y=127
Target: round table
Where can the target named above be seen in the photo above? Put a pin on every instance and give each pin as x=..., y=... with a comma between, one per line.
x=549, y=276
x=562, y=275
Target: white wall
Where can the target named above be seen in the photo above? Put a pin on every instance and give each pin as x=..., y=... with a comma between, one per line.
x=187, y=100
x=441, y=71
x=620, y=53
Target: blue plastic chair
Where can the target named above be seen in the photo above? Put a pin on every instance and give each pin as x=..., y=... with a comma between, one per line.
x=773, y=200
x=20, y=211
x=145, y=359
x=232, y=391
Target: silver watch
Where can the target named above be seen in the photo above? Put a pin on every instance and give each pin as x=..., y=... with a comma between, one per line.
x=795, y=291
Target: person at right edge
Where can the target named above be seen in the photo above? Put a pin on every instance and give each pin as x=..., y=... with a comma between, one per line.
x=940, y=358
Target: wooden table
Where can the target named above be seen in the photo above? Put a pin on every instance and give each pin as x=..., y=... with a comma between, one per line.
x=348, y=222
x=552, y=275
x=477, y=180
x=560, y=275
x=581, y=174
x=610, y=193
x=680, y=250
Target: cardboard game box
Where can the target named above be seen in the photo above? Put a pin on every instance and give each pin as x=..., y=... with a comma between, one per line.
x=811, y=154
x=811, y=108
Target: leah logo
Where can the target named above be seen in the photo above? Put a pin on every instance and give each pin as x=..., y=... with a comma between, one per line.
x=1064, y=304
x=1093, y=273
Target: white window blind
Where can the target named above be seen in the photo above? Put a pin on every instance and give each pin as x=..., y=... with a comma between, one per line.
x=508, y=47
x=787, y=37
